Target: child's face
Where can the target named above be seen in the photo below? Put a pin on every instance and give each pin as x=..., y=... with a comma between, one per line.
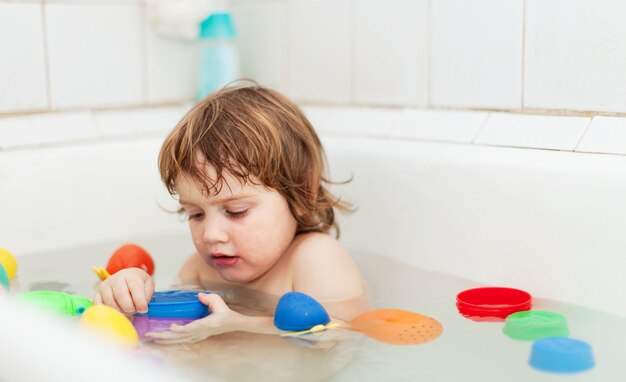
x=242, y=231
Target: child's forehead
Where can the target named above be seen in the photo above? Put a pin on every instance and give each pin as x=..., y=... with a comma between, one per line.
x=214, y=187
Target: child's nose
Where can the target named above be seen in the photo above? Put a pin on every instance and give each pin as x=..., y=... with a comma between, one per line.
x=214, y=231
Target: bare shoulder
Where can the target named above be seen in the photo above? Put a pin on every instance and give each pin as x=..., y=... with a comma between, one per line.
x=324, y=269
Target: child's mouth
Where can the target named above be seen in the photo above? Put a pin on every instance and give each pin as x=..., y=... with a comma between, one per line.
x=224, y=261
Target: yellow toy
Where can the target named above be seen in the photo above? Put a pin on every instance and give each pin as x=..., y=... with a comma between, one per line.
x=110, y=323
x=8, y=262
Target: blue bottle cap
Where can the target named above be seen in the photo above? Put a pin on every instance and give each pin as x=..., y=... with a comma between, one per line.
x=176, y=304
x=218, y=26
x=297, y=311
x=561, y=355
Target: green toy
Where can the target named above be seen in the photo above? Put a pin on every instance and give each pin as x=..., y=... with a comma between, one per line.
x=4, y=279
x=60, y=303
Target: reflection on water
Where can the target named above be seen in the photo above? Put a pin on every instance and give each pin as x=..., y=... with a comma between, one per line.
x=54, y=286
x=466, y=351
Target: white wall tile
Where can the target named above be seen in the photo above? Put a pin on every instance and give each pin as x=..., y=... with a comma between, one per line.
x=437, y=125
x=138, y=121
x=96, y=55
x=262, y=38
x=161, y=119
x=575, y=55
x=42, y=129
x=22, y=60
x=391, y=50
x=535, y=131
x=476, y=56
x=320, y=50
x=605, y=135
x=360, y=121
x=172, y=67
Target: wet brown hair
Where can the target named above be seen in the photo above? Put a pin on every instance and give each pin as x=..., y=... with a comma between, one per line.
x=254, y=133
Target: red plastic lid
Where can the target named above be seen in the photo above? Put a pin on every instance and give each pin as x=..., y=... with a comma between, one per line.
x=492, y=303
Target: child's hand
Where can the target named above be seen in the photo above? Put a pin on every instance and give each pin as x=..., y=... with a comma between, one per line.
x=221, y=320
x=128, y=291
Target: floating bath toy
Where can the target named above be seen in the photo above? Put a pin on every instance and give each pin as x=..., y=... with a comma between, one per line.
x=397, y=326
x=561, y=355
x=7, y=260
x=4, y=279
x=492, y=303
x=111, y=324
x=535, y=324
x=302, y=314
x=170, y=307
x=126, y=256
x=297, y=311
x=60, y=303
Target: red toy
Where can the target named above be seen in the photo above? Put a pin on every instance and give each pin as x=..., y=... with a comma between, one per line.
x=130, y=256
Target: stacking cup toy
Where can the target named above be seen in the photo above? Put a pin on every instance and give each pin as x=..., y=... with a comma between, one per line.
x=167, y=308
x=561, y=355
x=535, y=324
x=492, y=303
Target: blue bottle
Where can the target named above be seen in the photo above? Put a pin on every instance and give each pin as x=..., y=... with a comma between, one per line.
x=219, y=59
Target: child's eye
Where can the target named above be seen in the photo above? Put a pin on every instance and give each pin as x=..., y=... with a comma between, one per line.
x=195, y=216
x=237, y=214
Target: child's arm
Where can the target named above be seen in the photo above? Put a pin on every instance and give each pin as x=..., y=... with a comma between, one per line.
x=321, y=268
x=221, y=320
x=128, y=291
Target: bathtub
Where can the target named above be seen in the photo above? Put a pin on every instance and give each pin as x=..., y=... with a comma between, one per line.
x=432, y=220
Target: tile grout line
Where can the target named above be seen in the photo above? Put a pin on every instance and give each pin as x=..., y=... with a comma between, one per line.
x=583, y=134
x=46, y=55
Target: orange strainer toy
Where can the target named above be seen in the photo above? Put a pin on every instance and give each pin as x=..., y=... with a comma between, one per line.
x=397, y=326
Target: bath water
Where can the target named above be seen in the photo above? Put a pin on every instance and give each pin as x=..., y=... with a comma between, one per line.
x=466, y=350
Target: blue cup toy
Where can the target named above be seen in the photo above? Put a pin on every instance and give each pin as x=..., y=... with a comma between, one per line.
x=170, y=307
x=561, y=355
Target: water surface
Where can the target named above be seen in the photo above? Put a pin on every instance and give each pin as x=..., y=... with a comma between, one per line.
x=466, y=351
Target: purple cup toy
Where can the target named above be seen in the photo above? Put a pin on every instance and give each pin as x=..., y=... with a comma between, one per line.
x=170, y=307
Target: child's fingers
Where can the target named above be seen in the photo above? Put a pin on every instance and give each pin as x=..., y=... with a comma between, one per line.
x=214, y=302
x=149, y=287
x=97, y=299
x=137, y=291
x=107, y=297
x=122, y=296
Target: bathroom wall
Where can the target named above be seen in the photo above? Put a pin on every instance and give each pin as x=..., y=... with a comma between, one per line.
x=535, y=74
x=537, y=81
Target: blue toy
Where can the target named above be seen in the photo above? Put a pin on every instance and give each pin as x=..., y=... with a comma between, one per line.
x=170, y=307
x=561, y=355
x=297, y=311
x=176, y=304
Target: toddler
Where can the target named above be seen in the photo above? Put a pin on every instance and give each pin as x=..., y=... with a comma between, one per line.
x=248, y=170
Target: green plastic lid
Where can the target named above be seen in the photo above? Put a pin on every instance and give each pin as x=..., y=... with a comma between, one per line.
x=218, y=26
x=535, y=324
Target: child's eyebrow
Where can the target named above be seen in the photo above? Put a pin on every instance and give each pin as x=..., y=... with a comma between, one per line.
x=222, y=200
